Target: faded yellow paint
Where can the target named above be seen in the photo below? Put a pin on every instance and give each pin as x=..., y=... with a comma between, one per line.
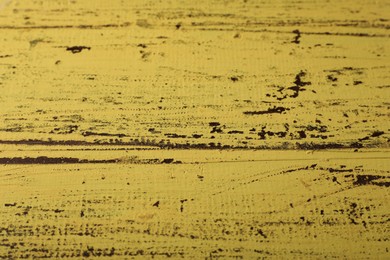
x=204, y=129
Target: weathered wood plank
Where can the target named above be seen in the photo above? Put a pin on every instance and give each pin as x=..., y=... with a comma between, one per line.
x=177, y=129
x=269, y=75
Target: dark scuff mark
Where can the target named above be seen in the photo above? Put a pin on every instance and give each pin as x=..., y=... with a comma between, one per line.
x=67, y=129
x=174, y=135
x=153, y=131
x=89, y=133
x=235, y=132
x=297, y=36
x=331, y=170
x=277, y=110
x=234, y=79
x=182, y=204
x=384, y=184
x=331, y=78
x=334, y=179
x=145, y=55
x=318, y=128
x=377, y=133
x=142, y=45
x=369, y=179
x=319, y=146
x=302, y=134
x=82, y=26
x=364, y=138
x=77, y=49
x=298, y=79
x=168, y=161
x=261, y=233
x=292, y=91
x=136, y=144
x=216, y=129
x=262, y=134
x=50, y=160
x=214, y=124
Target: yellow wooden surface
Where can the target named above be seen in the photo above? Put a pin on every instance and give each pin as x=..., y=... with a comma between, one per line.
x=194, y=129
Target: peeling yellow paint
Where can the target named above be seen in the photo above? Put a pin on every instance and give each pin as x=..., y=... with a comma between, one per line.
x=194, y=129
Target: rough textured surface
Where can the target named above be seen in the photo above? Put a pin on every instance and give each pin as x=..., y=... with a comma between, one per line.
x=206, y=204
x=230, y=73
x=205, y=129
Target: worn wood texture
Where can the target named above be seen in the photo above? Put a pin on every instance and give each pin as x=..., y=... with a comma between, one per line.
x=194, y=129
